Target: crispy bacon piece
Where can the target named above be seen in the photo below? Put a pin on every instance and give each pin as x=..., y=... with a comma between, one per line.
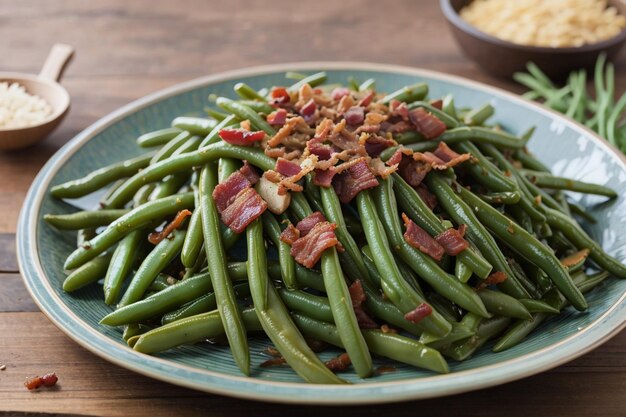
x=396, y=158
x=493, y=279
x=324, y=178
x=399, y=109
x=448, y=156
x=290, y=234
x=354, y=115
x=426, y=123
x=429, y=198
x=358, y=297
x=339, y=92
x=375, y=144
x=225, y=193
x=379, y=168
x=277, y=118
x=367, y=98
x=421, y=311
x=241, y=137
x=287, y=168
x=452, y=240
x=438, y=104
x=339, y=364
x=316, y=235
x=243, y=210
x=353, y=180
x=280, y=96
x=280, y=361
x=48, y=380
x=420, y=239
x=413, y=171
x=308, y=111
x=156, y=237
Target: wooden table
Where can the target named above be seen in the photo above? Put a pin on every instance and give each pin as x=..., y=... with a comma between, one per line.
x=128, y=49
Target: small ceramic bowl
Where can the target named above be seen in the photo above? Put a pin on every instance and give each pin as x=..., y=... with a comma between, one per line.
x=502, y=58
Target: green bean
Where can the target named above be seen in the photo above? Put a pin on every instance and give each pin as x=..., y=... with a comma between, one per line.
x=88, y=273
x=485, y=172
x=538, y=306
x=143, y=195
x=313, y=80
x=525, y=244
x=420, y=213
x=257, y=106
x=184, y=162
x=257, y=264
x=287, y=263
x=194, y=239
x=529, y=161
x=203, y=304
x=161, y=256
x=120, y=265
x=448, y=106
x=84, y=219
x=292, y=75
x=158, y=137
x=486, y=330
x=389, y=345
x=613, y=119
x=577, y=82
x=343, y=314
x=248, y=93
x=313, y=306
x=226, y=167
x=224, y=293
x=100, y=177
x=214, y=135
x=332, y=211
x=479, y=115
x=134, y=330
x=503, y=197
x=408, y=138
x=170, y=147
x=194, y=125
x=449, y=121
x=217, y=115
x=481, y=135
x=500, y=304
x=444, y=306
x=244, y=112
x=407, y=94
x=161, y=302
x=459, y=332
x=393, y=285
x=539, y=75
x=160, y=283
x=369, y=84
x=135, y=219
x=581, y=240
x=461, y=213
x=545, y=180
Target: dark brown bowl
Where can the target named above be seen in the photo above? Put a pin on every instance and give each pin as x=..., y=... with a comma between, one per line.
x=502, y=58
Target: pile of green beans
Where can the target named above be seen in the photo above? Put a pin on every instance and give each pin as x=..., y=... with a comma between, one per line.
x=192, y=286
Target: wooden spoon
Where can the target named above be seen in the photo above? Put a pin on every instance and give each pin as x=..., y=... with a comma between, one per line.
x=44, y=85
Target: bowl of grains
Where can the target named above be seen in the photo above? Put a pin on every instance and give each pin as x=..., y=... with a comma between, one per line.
x=32, y=106
x=558, y=35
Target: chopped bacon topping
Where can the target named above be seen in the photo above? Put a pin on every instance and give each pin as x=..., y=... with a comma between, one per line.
x=339, y=364
x=452, y=240
x=241, y=137
x=156, y=237
x=237, y=202
x=354, y=115
x=438, y=104
x=279, y=361
x=316, y=235
x=375, y=144
x=358, y=297
x=277, y=118
x=426, y=123
x=339, y=92
x=290, y=234
x=287, y=168
x=48, y=380
x=421, y=312
x=420, y=239
x=413, y=171
x=367, y=98
x=429, y=198
x=396, y=158
x=355, y=179
x=280, y=96
x=493, y=279
x=399, y=109
x=324, y=178
x=308, y=111
x=448, y=156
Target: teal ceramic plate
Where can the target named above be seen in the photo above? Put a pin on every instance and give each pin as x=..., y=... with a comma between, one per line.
x=568, y=148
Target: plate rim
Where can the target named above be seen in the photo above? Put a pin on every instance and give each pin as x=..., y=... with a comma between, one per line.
x=569, y=348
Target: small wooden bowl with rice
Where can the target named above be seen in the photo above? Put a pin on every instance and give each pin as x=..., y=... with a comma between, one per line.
x=504, y=35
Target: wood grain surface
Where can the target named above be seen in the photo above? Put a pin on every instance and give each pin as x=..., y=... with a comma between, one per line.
x=128, y=49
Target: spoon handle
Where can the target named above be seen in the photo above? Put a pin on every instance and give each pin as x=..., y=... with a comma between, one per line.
x=59, y=57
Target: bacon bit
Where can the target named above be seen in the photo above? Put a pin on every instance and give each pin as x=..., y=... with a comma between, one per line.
x=156, y=237
x=358, y=297
x=413, y=171
x=272, y=352
x=284, y=131
x=385, y=370
x=305, y=225
x=356, y=178
x=280, y=96
x=308, y=249
x=367, y=98
x=290, y=234
x=308, y=111
x=225, y=193
x=388, y=330
x=339, y=364
x=421, y=240
x=438, y=104
x=452, y=240
x=241, y=137
x=316, y=345
x=245, y=124
x=493, y=279
x=287, y=168
x=537, y=200
x=243, y=210
x=339, y=92
x=396, y=158
x=375, y=144
x=379, y=168
x=575, y=258
x=421, y=311
x=354, y=115
x=48, y=380
x=249, y=172
x=324, y=178
x=345, y=103
x=450, y=157
x=305, y=93
x=427, y=197
x=274, y=362
x=426, y=123
x=399, y=109
x=277, y=118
